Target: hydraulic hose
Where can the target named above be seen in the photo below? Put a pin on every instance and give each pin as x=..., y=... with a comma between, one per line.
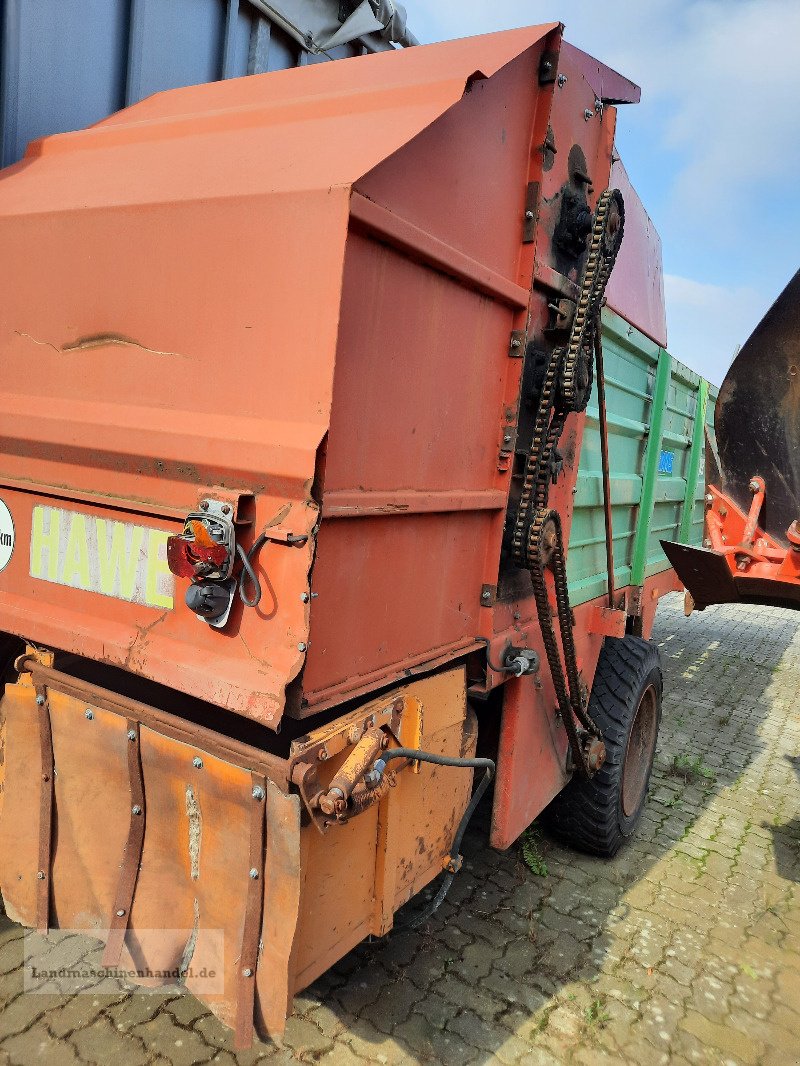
x=442, y=760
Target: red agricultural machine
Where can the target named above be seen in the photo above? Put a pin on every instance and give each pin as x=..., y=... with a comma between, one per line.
x=338, y=435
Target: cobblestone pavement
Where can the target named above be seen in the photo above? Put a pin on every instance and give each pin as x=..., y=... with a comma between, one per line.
x=685, y=948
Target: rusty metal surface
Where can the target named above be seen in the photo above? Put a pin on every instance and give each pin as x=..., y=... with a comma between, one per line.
x=758, y=416
x=132, y=856
x=47, y=777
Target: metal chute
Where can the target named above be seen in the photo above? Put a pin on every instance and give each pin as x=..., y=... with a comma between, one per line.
x=758, y=416
x=752, y=550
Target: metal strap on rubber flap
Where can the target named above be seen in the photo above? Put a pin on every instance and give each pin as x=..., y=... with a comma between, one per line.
x=132, y=857
x=43, y=874
x=251, y=931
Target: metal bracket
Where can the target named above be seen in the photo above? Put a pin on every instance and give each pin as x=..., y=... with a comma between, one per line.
x=309, y=753
x=531, y=212
x=548, y=68
x=488, y=595
x=251, y=931
x=562, y=312
x=46, y=803
x=517, y=346
x=132, y=856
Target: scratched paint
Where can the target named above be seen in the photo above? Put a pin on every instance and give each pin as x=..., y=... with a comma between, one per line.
x=118, y=559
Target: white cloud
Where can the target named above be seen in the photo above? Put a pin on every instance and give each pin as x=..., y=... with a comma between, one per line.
x=707, y=323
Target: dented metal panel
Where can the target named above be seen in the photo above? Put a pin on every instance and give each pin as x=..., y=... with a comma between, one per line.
x=173, y=241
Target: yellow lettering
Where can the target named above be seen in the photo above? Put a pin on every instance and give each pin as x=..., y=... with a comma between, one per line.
x=75, y=567
x=115, y=562
x=157, y=568
x=45, y=540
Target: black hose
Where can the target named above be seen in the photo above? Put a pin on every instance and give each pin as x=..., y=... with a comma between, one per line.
x=442, y=760
x=248, y=572
x=248, y=565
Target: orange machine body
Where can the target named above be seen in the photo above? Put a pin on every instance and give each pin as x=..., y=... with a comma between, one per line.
x=301, y=296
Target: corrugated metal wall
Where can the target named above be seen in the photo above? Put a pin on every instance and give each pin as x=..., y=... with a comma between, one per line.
x=68, y=64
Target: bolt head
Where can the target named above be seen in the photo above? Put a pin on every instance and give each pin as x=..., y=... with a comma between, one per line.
x=709, y=499
x=197, y=762
x=529, y=215
x=754, y=486
x=587, y=114
x=120, y=914
x=204, y=505
x=258, y=793
x=247, y=972
x=40, y=875
x=131, y=735
x=40, y=701
x=322, y=755
x=88, y=713
x=486, y=595
x=516, y=343
x=562, y=80
x=254, y=874
x=304, y=597
x=226, y=508
x=136, y=809
x=302, y=646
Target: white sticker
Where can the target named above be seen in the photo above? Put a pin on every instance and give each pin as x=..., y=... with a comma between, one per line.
x=119, y=559
x=7, y=536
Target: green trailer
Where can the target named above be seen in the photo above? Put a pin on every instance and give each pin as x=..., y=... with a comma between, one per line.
x=657, y=410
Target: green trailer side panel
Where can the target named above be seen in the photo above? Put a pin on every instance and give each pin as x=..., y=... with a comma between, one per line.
x=657, y=410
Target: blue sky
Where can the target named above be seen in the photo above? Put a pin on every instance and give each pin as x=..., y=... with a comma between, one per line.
x=713, y=148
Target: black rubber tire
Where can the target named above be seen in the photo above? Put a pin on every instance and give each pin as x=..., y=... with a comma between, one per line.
x=589, y=814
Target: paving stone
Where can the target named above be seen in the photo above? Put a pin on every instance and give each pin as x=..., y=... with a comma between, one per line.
x=36, y=1045
x=100, y=1043
x=682, y=950
x=443, y=1046
x=181, y=1047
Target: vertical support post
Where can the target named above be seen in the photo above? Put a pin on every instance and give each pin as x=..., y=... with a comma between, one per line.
x=136, y=33
x=46, y=800
x=231, y=15
x=694, y=463
x=258, y=57
x=251, y=930
x=601, y=409
x=132, y=857
x=654, y=441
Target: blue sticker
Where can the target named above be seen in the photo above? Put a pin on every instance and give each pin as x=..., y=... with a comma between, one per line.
x=666, y=461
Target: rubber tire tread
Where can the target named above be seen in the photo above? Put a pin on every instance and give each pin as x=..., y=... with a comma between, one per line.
x=587, y=814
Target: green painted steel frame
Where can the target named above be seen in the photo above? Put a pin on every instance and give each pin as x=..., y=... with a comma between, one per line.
x=657, y=411
x=654, y=441
x=698, y=444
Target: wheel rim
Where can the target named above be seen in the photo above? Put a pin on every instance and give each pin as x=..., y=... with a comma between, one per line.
x=639, y=755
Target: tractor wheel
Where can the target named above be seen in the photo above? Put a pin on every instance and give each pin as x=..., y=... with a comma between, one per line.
x=599, y=814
